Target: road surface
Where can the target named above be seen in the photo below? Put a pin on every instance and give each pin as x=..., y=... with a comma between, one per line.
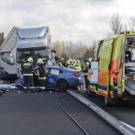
x=40, y=114
x=124, y=111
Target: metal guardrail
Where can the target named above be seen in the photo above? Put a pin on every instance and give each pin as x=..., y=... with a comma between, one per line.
x=120, y=126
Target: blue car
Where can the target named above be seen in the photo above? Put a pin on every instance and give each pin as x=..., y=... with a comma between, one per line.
x=63, y=78
x=60, y=78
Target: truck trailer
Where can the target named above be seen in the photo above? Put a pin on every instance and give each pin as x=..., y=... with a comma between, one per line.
x=20, y=44
x=113, y=68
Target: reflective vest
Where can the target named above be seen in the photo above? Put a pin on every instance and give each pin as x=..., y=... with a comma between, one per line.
x=78, y=68
x=27, y=69
x=42, y=72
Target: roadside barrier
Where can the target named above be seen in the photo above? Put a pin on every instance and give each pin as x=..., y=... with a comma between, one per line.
x=120, y=126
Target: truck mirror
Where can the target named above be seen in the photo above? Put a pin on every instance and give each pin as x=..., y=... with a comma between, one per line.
x=10, y=59
x=7, y=57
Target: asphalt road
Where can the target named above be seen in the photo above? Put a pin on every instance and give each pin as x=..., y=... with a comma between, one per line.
x=40, y=114
x=124, y=111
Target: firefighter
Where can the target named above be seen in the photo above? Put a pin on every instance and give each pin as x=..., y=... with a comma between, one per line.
x=42, y=74
x=62, y=62
x=78, y=65
x=69, y=63
x=86, y=68
x=27, y=71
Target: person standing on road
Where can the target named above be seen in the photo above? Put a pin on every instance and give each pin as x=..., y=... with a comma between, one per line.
x=41, y=74
x=27, y=70
x=78, y=66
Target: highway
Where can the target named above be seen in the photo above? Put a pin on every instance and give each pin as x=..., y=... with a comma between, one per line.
x=40, y=114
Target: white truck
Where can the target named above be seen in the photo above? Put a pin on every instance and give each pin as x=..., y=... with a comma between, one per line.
x=20, y=44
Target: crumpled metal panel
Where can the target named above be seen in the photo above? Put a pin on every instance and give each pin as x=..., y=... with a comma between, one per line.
x=31, y=33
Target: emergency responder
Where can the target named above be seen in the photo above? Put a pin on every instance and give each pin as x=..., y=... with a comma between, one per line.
x=42, y=74
x=62, y=62
x=73, y=63
x=27, y=71
x=69, y=63
x=87, y=66
x=78, y=65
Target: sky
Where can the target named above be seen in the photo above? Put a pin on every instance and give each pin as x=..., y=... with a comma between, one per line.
x=69, y=20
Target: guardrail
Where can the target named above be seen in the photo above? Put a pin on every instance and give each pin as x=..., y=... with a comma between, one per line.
x=120, y=126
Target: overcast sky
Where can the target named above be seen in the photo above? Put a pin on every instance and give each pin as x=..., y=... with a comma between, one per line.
x=69, y=20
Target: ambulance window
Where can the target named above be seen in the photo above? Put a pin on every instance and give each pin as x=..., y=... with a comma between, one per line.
x=130, y=50
x=133, y=54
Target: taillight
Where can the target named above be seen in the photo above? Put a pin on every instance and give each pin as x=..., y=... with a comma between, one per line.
x=76, y=74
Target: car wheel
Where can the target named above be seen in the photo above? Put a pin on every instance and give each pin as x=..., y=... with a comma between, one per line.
x=62, y=85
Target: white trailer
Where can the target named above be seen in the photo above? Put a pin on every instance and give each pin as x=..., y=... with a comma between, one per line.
x=20, y=44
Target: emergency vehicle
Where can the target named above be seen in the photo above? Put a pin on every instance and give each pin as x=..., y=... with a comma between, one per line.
x=113, y=68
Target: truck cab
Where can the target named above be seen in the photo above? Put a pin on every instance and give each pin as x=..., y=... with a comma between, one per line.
x=23, y=43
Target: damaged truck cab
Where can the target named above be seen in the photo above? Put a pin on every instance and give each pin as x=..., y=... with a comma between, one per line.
x=113, y=68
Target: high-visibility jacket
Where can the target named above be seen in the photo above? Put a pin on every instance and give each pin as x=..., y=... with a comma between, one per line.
x=41, y=71
x=42, y=76
x=27, y=69
x=79, y=68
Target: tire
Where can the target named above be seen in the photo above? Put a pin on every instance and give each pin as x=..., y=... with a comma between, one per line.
x=62, y=85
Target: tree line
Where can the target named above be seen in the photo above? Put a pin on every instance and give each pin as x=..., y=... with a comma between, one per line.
x=68, y=49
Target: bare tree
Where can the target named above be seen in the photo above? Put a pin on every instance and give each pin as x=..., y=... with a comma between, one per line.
x=68, y=49
x=90, y=51
x=115, y=24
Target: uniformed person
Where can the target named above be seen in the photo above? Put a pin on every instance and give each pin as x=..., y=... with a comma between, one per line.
x=27, y=71
x=70, y=62
x=62, y=62
x=78, y=65
x=41, y=74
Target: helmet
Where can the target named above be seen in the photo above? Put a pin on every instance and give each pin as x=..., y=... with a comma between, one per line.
x=62, y=59
x=90, y=59
x=30, y=59
x=40, y=61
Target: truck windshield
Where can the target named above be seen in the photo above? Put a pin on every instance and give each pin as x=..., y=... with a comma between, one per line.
x=23, y=55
